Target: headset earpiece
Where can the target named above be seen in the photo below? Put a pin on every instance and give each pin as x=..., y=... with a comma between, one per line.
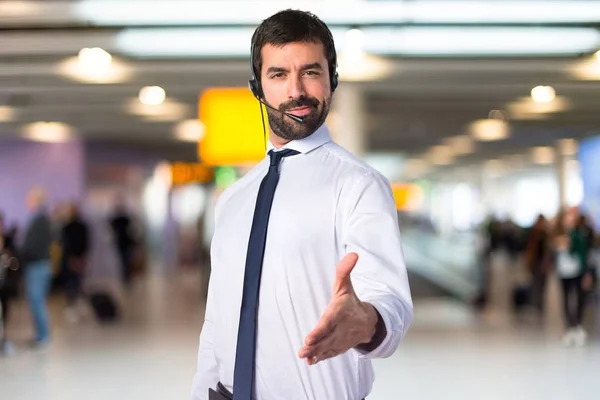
x=254, y=83
x=335, y=80
x=255, y=88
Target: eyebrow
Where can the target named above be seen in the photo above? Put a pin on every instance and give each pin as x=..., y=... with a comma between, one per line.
x=315, y=65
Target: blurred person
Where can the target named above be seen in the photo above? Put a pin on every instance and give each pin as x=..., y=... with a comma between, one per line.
x=319, y=325
x=58, y=219
x=35, y=257
x=75, y=245
x=9, y=283
x=121, y=225
x=572, y=244
x=538, y=261
x=489, y=243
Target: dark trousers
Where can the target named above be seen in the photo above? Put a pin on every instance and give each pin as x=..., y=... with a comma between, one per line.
x=573, y=301
x=74, y=267
x=5, y=304
x=125, y=258
x=72, y=286
x=538, y=288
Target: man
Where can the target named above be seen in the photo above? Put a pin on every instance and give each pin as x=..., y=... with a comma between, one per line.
x=75, y=246
x=35, y=256
x=121, y=226
x=334, y=292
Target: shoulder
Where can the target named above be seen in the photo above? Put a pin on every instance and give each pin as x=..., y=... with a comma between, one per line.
x=353, y=170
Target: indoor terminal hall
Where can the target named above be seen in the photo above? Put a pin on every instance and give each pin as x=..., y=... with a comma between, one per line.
x=299, y=200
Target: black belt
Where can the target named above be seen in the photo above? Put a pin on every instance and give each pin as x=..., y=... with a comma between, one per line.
x=221, y=394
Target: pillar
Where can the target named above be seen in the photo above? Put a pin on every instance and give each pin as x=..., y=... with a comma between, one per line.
x=561, y=176
x=347, y=122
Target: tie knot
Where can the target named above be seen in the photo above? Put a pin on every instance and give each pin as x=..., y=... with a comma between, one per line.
x=276, y=156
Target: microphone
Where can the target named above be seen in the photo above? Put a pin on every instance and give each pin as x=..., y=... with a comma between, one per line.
x=292, y=116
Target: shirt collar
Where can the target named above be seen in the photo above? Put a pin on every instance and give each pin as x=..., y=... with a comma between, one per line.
x=308, y=144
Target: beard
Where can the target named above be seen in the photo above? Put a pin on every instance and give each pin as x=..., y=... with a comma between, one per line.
x=289, y=129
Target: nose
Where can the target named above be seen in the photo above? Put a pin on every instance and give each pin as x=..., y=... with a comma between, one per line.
x=295, y=87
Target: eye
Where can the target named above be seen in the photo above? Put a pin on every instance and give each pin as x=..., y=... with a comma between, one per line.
x=277, y=75
x=312, y=73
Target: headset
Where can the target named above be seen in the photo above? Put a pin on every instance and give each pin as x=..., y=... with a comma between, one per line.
x=256, y=89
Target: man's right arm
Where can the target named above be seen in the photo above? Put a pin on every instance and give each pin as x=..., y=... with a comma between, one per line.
x=207, y=372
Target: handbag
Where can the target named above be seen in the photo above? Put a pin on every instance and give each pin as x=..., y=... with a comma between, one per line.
x=567, y=265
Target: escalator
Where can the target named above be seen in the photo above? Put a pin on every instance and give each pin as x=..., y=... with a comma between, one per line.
x=444, y=265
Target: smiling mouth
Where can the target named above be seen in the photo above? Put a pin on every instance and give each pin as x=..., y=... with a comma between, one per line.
x=300, y=111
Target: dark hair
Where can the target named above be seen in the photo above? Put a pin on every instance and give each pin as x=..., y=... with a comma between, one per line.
x=290, y=26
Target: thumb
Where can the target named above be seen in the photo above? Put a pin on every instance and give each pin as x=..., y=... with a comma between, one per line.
x=342, y=273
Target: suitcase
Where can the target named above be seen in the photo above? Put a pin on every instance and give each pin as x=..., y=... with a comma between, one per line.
x=520, y=297
x=104, y=307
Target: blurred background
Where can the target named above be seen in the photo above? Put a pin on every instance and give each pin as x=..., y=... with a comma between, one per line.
x=123, y=121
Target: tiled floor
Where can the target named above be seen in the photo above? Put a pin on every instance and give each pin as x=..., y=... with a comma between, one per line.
x=450, y=353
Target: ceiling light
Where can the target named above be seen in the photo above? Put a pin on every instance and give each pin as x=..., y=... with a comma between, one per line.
x=6, y=113
x=442, y=150
x=152, y=95
x=355, y=40
x=92, y=66
x=50, y=132
x=363, y=67
x=94, y=57
x=461, y=145
x=517, y=113
x=18, y=8
x=543, y=94
x=167, y=111
x=568, y=147
x=487, y=130
x=527, y=106
x=587, y=69
x=440, y=155
x=543, y=155
x=191, y=130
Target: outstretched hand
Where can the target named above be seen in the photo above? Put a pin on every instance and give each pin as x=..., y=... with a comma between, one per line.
x=346, y=323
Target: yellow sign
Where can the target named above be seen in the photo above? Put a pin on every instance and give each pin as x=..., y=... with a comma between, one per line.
x=233, y=127
x=407, y=196
x=183, y=173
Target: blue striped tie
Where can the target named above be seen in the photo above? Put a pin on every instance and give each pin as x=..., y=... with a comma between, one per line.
x=243, y=376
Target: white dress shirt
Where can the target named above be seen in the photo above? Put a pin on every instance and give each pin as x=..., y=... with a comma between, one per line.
x=327, y=203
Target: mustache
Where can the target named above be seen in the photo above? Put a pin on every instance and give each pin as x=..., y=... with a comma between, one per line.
x=300, y=102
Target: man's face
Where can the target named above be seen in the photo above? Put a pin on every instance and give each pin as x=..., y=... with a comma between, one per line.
x=295, y=79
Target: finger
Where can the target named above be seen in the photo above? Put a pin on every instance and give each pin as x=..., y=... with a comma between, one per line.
x=323, y=328
x=323, y=350
x=311, y=350
x=342, y=272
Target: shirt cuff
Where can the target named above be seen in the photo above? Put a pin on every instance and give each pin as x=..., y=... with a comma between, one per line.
x=388, y=345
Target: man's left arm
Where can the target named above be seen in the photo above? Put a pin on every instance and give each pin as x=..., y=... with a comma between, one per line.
x=370, y=229
x=371, y=306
